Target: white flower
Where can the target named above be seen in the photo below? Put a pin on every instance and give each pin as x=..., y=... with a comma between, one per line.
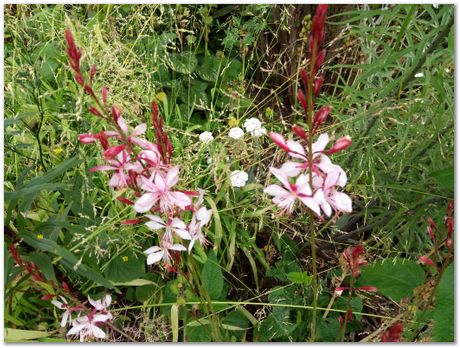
x=206, y=137
x=157, y=253
x=252, y=124
x=66, y=316
x=258, y=132
x=435, y=5
x=87, y=326
x=419, y=74
x=238, y=178
x=236, y=133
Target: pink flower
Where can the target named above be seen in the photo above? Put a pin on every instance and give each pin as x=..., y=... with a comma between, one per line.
x=157, y=253
x=332, y=198
x=286, y=197
x=175, y=225
x=66, y=316
x=132, y=137
x=121, y=165
x=101, y=305
x=86, y=326
x=159, y=191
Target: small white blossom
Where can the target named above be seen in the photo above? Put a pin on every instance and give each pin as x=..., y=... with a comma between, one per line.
x=86, y=326
x=206, y=137
x=66, y=316
x=209, y=160
x=238, y=178
x=419, y=74
x=236, y=133
x=252, y=124
x=258, y=132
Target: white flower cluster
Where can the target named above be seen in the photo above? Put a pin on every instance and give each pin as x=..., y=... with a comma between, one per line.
x=254, y=127
x=238, y=178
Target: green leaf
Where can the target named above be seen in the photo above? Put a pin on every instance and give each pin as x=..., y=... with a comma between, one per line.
x=443, y=330
x=299, y=278
x=136, y=282
x=211, y=276
x=125, y=267
x=444, y=177
x=209, y=70
x=183, y=63
x=200, y=333
x=44, y=263
x=394, y=279
x=16, y=335
x=69, y=260
x=277, y=324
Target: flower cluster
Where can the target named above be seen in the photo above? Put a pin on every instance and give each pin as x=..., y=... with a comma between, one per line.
x=310, y=176
x=85, y=325
x=145, y=167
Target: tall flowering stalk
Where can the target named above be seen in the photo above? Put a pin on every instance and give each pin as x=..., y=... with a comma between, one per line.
x=309, y=176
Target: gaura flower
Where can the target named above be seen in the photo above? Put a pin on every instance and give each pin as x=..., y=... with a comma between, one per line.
x=66, y=316
x=86, y=326
x=175, y=225
x=101, y=305
x=200, y=219
x=157, y=253
x=286, y=197
x=159, y=191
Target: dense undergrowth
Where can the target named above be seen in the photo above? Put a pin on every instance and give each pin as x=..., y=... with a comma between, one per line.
x=388, y=76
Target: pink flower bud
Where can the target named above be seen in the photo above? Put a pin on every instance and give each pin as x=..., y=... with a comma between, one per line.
x=125, y=200
x=104, y=92
x=279, y=140
x=303, y=76
x=318, y=84
x=299, y=131
x=368, y=288
x=116, y=113
x=302, y=100
x=95, y=111
x=319, y=60
x=86, y=138
x=321, y=116
x=111, y=152
x=338, y=291
x=92, y=72
x=89, y=90
x=427, y=261
x=47, y=297
x=131, y=222
x=79, y=79
x=429, y=230
x=339, y=145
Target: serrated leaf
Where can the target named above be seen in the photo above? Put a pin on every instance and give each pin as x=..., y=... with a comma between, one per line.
x=211, y=276
x=125, y=267
x=299, y=278
x=444, y=328
x=277, y=324
x=394, y=279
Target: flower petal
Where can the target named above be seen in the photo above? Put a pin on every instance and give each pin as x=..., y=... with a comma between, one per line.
x=145, y=202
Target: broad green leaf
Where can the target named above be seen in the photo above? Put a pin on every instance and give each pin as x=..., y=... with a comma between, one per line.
x=299, y=278
x=211, y=276
x=200, y=333
x=444, y=328
x=395, y=279
x=125, y=267
x=209, y=70
x=444, y=177
x=136, y=282
x=16, y=335
x=183, y=63
x=277, y=324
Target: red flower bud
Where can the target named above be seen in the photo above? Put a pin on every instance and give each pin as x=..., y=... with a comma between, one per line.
x=393, y=334
x=318, y=84
x=104, y=92
x=47, y=297
x=66, y=287
x=319, y=60
x=321, y=116
x=303, y=76
x=95, y=111
x=427, y=261
x=279, y=140
x=103, y=139
x=111, y=152
x=131, y=222
x=368, y=288
x=125, y=200
x=302, y=100
x=89, y=90
x=79, y=79
x=429, y=230
x=339, y=145
x=299, y=131
x=116, y=113
x=92, y=72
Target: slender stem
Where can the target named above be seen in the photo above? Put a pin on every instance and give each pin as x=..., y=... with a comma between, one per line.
x=310, y=83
